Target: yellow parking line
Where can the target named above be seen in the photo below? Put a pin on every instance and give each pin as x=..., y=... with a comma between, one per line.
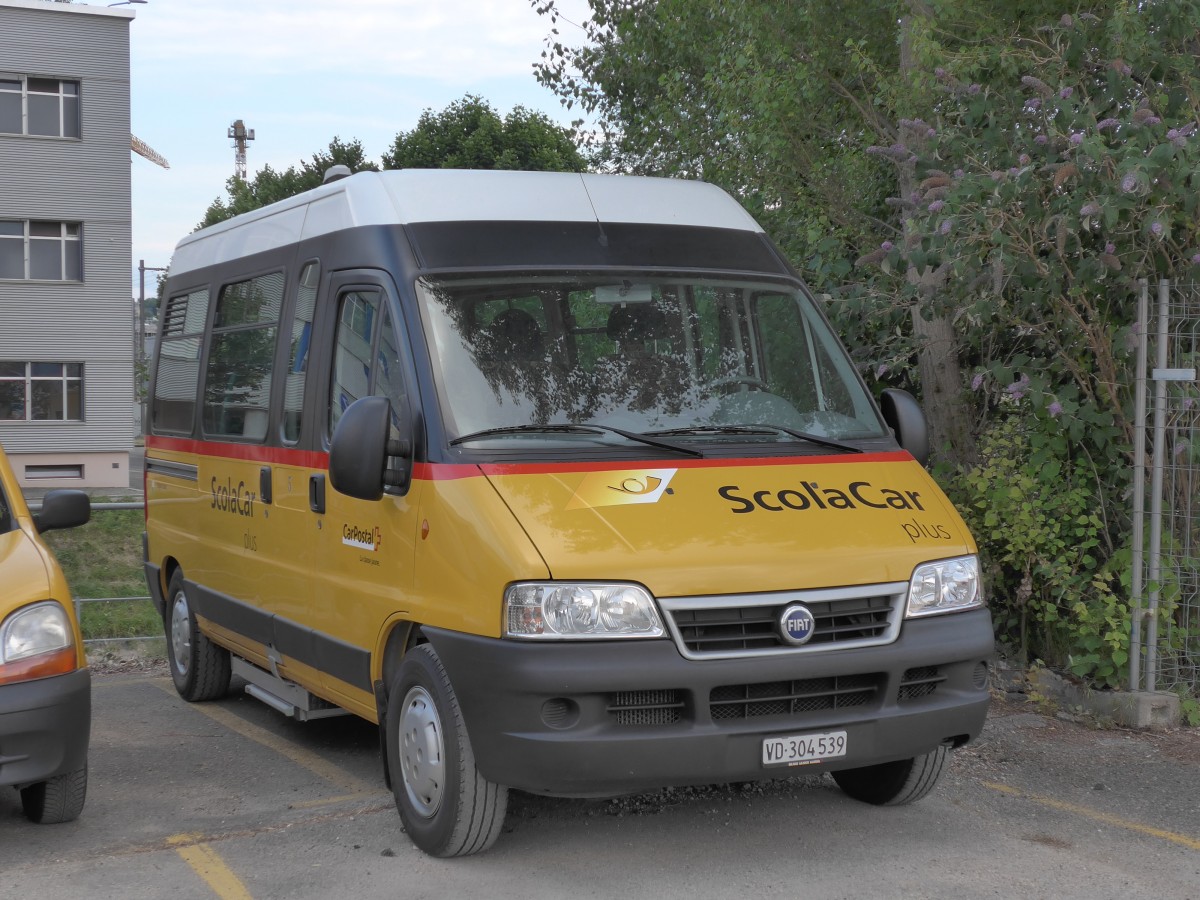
x=301, y=757
x=1097, y=816
x=205, y=861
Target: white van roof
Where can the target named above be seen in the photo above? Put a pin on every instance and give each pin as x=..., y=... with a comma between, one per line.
x=404, y=196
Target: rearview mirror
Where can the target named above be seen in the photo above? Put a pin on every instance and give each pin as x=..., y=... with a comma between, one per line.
x=906, y=419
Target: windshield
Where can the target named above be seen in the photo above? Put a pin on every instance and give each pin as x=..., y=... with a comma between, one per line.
x=703, y=358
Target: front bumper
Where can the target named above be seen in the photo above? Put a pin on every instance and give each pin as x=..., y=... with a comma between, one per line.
x=45, y=726
x=605, y=718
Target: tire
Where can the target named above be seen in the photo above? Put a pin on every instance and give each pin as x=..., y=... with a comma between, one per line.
x=894, y=783
x=199, y=668
x=447, y=807
x=57, y=799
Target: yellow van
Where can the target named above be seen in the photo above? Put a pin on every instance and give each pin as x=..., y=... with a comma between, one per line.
x=45, y=684
x=565, y=482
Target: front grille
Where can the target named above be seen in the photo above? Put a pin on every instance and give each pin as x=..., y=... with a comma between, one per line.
x=646, y=707
x=918, y=683
x=792, y=698
x=749, y=629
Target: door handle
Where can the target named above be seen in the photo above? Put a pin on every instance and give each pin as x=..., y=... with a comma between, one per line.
x=264, y=484
x=316, y=493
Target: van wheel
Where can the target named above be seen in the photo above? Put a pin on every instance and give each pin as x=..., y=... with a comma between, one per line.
x=447, y=807
x=894, y=783
x=199, y=668
x=57, y=799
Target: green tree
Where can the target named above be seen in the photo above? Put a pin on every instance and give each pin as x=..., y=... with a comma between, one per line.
x=269, y=186
x=998, y=175
x=469, y=134
x=778, y=102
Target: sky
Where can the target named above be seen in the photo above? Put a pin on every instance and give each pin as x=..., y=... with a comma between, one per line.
x=302, y=72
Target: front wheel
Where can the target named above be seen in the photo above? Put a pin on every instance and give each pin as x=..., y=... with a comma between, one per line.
x=447, y=807
x=57, y=799
x=199, y=668
x=894, y=783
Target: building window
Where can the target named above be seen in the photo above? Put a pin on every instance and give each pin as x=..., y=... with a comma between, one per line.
x=41, y=251
x=41, y=391
x=40, y=106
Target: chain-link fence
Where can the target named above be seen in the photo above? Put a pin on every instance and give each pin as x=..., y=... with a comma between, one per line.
x=1165, y=645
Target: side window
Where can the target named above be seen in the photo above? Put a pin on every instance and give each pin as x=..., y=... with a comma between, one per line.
x=297, y=371
x=178, y=374
x=237, y=382
x=367, y=355
x=357, y=311
x=389, y=381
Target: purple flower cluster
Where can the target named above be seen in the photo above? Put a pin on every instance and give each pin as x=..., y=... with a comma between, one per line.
x=1077, y=138
x=1055, y=409
x=937, y=206
x=977, y=382
x=1156, y=228
x=1090, y=209
x=1106, y=124
x=1017, y=389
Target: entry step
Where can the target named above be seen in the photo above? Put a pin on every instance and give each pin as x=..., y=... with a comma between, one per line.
x=282, y=695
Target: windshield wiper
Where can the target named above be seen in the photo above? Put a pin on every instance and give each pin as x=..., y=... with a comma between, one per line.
x=525, y=429
x=764, y=428
x=567, y=428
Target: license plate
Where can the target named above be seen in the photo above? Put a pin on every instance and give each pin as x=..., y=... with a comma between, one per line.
x=803, y=749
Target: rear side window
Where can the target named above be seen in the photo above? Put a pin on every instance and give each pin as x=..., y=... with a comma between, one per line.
x=237, y=382
x=178, y=376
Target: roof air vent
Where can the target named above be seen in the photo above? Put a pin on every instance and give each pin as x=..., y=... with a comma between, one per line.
x=336, y=173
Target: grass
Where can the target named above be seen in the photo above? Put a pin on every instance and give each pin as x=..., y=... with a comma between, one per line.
x=104, y=559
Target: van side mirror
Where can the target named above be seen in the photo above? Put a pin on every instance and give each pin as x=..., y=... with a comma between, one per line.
x=360, y=449
x=63, y=509
x=903, y=415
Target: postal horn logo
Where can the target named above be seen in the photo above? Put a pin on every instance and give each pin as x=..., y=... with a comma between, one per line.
x=621, y=488
x=637, y=486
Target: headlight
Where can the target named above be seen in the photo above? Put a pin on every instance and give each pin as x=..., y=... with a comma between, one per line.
x=39, y=628
x=949, y=585
x=561, y=610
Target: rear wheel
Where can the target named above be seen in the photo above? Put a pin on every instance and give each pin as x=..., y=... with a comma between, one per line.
x=199, y=668
x=894, y=783
x=57, y=799
x=447, y=807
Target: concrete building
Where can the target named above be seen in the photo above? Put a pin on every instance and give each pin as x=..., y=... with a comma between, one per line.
x=66, y=326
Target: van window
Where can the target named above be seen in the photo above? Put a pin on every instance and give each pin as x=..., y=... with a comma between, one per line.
x=357, y=310
x=640, y=354
x=237, y=383
x=178, y=375
x=297, y=370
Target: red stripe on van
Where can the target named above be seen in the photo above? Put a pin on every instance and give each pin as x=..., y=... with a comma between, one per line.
x=282, y=456
x=451, y=471
x=735, y=463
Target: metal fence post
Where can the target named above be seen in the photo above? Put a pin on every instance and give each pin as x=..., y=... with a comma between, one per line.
x=1139, y=489
x=1156, y=485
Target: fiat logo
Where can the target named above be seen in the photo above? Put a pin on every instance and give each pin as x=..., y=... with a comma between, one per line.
x=797, y=624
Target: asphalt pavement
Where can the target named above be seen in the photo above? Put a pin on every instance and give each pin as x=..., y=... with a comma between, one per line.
x=230, y=799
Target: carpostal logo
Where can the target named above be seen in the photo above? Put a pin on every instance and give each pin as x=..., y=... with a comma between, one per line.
x=362, y=538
